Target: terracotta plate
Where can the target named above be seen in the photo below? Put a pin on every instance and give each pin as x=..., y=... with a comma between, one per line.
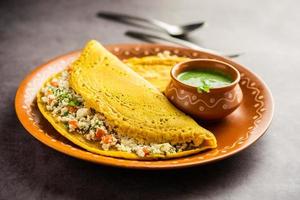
x=235, y=133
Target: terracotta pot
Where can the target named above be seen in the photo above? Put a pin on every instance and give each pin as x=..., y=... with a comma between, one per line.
x=215, y=104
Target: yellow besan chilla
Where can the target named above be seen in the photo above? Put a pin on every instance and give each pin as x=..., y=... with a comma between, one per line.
x=131, y=105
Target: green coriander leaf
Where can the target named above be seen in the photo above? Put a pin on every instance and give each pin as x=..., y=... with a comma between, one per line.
x=65, y=113
x=74, y=103
x=204, y=87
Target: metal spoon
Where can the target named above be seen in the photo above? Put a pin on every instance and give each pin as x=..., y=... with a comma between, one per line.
x=172, y=30
x=146, y=36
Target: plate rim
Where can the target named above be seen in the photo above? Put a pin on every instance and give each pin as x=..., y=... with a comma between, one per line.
x=24, y=121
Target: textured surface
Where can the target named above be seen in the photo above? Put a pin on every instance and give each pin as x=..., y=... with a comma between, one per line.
x=136, y=109
x=34, y=32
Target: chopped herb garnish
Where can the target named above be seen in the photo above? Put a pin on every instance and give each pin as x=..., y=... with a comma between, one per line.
x=65, y=113
x=63, y=96
x=66, y=125
x=204, y=87
x=74, y=103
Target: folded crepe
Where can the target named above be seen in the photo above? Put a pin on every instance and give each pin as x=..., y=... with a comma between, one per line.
x=156, y=68
x=111, y=110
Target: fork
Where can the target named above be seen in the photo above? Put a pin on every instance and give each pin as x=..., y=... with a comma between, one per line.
x=172, y=30
x=147, y=36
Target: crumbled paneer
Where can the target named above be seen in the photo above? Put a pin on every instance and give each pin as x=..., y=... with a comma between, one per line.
x=69, y=108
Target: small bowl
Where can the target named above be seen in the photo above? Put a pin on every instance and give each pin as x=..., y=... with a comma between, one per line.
x=215, y=104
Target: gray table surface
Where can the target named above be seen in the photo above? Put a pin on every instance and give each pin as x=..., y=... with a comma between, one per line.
x=32, y=32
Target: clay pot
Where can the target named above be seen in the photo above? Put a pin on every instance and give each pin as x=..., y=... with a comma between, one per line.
x=215, y=104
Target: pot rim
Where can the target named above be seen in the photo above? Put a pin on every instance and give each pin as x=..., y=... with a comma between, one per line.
x=213, y=61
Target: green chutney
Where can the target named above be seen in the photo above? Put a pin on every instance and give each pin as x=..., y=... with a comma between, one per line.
x=204, y=80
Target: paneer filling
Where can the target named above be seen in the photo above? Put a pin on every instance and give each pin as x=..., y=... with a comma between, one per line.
x=69, y=108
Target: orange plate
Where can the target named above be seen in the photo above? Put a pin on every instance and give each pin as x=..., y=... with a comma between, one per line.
x=235, y=133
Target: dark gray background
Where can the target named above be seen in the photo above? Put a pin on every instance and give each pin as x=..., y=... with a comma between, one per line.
x=32, y=32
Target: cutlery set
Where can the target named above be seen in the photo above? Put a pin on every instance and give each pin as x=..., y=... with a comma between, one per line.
x=170, y=33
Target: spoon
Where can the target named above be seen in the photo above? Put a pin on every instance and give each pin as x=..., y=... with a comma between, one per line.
x=172, y=30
